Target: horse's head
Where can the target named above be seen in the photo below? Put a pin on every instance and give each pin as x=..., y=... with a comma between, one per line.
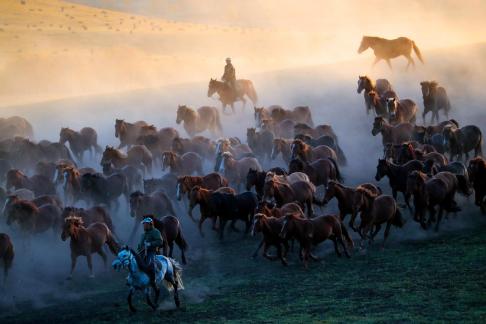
x=71, y=225
x=258, y=221
x=448, y=134
x=168, y=160
x=378, y=125
x=259, y=114
x=136, y=202
x=14, y=178
x=182, y=186
x=297, y=148
x=212, y=87
x=381, y=169
x=330, y=191
x=64, y=135
x=365, y=44
x=269, y=189
x=361, y=83
x=392, y=106
x=287, y=225
x=251, y=178
x=123, y=259
x=415, y=182
x=425, y=88
x=181, y=113
x=119, y=127
x=195, y=196
x=177, y=145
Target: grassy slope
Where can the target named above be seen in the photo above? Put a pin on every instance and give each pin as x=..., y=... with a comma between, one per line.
x=442, y=279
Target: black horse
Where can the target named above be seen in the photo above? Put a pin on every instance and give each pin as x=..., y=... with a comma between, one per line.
x=257, y=178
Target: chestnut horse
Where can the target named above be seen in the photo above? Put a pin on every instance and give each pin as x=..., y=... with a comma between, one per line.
x=32, y=219
x=136, y=156
x=282, y=146
x=401, y=111
x=236, y=170
x=185, y=164
x=39, y=184
x=86, y=241
x=211, y=181
x=128, y=133
x=397, y=134
x=386, y=49
x=205, y=118
x=310, y=232
x=309, y=154
x=435, y=98
x=366, y=83
x=270, y=227
x=84, y=140
x=229, y=96
x=7, y=254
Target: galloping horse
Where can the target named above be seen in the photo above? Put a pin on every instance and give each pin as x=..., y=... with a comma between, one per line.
x=228, y=96
x=200, y=120
x=386, y=49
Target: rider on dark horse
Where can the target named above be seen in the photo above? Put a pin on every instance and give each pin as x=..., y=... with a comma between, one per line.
x=149, y=245
x=229, y=76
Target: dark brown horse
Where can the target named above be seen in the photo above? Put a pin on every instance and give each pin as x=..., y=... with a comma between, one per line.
x=366, y=83
x=198, y=144
x=236, y=170
x=319, y=172
x=185, y=164
x=310, y=232
x=136, y=156
x=104, y=190
x=270, y=228
x=271, y=210
x=375, y=211
x=205, y=118
x=84, y=140
x=435, y=98
x=282, y=146
x=261, y=143
x=477, y=173
x=171, y=230
x=386, y=49
x=307, y=153
x=257, y=179
x=96, y=214
x=229, y=96
x=128, y=133
x=32, y=219
x=397, y=134
x=86, y=241
x=300, y=114
x=7, y=254
x=39, y=184
x=211, y=181
x=401, y=111
x=459, y=141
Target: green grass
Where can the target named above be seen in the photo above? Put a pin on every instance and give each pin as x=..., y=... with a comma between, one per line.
x=438, y=280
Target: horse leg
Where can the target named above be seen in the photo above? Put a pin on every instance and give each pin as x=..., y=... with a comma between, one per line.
x=377, y=229
x=147, y=298
x=175, y=284
x=201, y=221
x=129, y=299
x=103, y=256
x=336, y=249
x=280, y=255
x=439, y=217
x=171, y=248
x=407, y=201
x=387, y=232
x=157, y=294
x=73, y=265
x=90, y=266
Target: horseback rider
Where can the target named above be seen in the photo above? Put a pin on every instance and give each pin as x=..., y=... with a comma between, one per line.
x=229, y=75
x=150, y=244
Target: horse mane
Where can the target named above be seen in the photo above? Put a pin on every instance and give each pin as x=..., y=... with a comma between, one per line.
x=366, y=192
x=27, y=205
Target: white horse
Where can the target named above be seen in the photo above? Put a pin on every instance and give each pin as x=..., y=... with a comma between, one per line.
x=168, y=272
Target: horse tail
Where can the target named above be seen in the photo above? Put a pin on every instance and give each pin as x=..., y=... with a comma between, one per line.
x=346, y=235
x=417, y=52
x=398, y=219
x=110, y=241
x=338, y=172
x=252, y=92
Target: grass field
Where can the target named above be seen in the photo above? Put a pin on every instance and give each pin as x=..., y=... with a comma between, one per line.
x=438, y=280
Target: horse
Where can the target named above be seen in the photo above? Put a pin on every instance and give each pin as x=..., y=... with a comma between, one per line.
x=257, y=178
x=31, y=218
x=270, y=210
x=128, y=133
x=401, y=111
x=236, y=170
x=104, y=190
x=261, y=142
x=39, y=184
x=211, y=181
x=168, y=272
x=319, y=171
x=378, y=104
x=136, y=156
x=72, y=185
x=397, y=176
x=237, y=149
x=171, y=230
x=428, y=193
x=310, y=232
x=345, y=197
x=386, y=49
x=7, y=254
x=134, y=175
x=205, y=118
x=207, y=206
x=366, y=83
x=198, y=144
x=157, y=203
x=185, y=164
x=15, y=126
x=459, y=141
x=229, y=96
x=302, y=192
x=435, y=98
x=282, y=146
x=167, y=183
x=477, y=173
x=84, y=140
x=432, y=130
x=270, y=228
x=457, y=168
x=300, y=114
x=376, y=210
x=95, y=214
x=324, y=140
x=309, y=154
x=159, y=141
x=397, y=134
x=45, y=168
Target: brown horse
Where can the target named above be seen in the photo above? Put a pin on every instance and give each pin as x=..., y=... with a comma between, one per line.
x=345, y=197
x=376, y=210
x=435, y=98
x=366, y=83
x=171, y=230
x=378, y=104
x=198, y=144
x=7, y=254
x=236, y=170
x=282, y=146
x=477, y=173
x=401, y=111
x=84, y=140
x=310, y=232
x=319, y=172
x=386, y=49
x=237, y=149
x=39, y=184
x=72, y=185
x=261, y=142
x=185, y=164
x=397, y=134
x=459, y=141
x=202, y=197
x=128, y=133
x=229, y=96
x=96, y=214
x=15, y=126
x=307, y=153
x=86, y=241
x=205, y=118
x=211, y=181
x=270, y=227
x=300, y=114
x=282, y=193
x=31, y=218
x=136, y=155
x=271, y=210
